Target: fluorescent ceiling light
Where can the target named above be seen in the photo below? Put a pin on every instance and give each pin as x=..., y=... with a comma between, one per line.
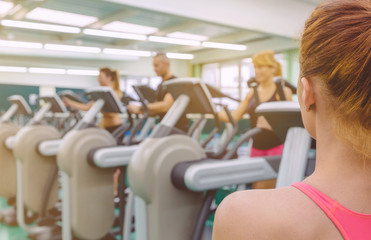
x=17, y=44
x=125, y=52
x=187, y=36
x=102, y=33
x=180, y=56
x=71, y=48
x=82, y=72
x=228, y=46
x=47, y=70
x=129, y=28
x=174, y=41
x=12, y=69
x=48, y=15
x=5, y=7
x=40, y=26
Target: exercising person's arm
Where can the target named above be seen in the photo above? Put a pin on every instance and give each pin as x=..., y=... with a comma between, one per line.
x=239, y=112
x=288, y=93
x=161, y=106
x=80, y=106
x=155, y=107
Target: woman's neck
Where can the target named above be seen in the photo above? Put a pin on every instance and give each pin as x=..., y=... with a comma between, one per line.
x=107, y=85
x=268, y=83
x=339, y=159
x=340, y=169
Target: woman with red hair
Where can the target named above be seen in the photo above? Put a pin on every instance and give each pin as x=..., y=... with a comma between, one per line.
x=334, y=92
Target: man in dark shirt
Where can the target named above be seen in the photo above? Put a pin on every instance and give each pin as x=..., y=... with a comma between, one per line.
x=164, y=100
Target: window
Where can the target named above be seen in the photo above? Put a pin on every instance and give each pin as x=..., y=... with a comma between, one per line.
x=131, y=81
x=211, y=75
x=229, y=76
x=144, y=80
x=122, y=85
x=247, y=72
x=154, y=82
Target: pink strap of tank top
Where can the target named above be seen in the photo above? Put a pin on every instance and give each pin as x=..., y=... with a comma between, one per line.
x=352, y=225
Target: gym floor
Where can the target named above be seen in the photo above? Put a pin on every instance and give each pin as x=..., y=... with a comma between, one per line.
x=10, y=233
x=16, y=233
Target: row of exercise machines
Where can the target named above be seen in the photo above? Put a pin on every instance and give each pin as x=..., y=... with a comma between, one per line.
x=33, y=177
x=172, y=178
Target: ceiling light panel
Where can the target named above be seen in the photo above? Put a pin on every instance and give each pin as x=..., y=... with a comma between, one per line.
x=189, y=36
x=12, y=69
x=17, y=44
x=47, y=70
x=174, y=41
x=180, y=56
x=40, y=26
x=227, y=46
x=129, y=28
x=126, y=52
x=82, y=72
x=54, y=16
x=72, y=48
x=111, y=34
x=5, y=7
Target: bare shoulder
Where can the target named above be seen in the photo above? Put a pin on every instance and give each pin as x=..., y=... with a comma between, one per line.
x=118, y=93
x=263, y=214
x=288, y=93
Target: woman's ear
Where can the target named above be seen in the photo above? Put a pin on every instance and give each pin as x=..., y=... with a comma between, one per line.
x=307, y=96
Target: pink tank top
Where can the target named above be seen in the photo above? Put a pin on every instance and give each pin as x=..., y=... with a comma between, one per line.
x=352, y=225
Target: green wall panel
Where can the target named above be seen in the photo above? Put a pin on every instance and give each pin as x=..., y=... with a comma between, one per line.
x=9, y=90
